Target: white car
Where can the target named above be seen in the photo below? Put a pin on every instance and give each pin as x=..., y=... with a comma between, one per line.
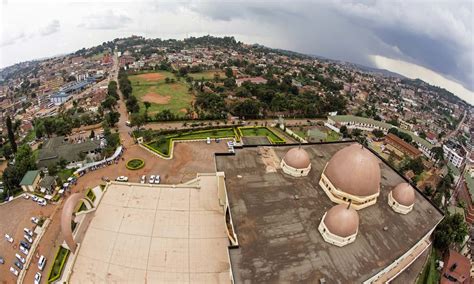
x=208, y=140
x=26, y=196
x=41, y=262
x=28, y=238
x=8, y=238
x=14, y=271
x=35, y=198
x=152, y=179
x=42, y=202
x=143, y=179
x=37, y=278
x=20, y=258
x=35, y=220
x=122, y=178
x=28, y=232
x=157, y=179
x=24, y=250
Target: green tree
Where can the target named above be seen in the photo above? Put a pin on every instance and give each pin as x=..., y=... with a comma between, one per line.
x=137, y=120
x=229, y=73
x=438, y=153
x=378, y=133
x=92, y=135
x=452, y=229
x=11, y=134
x=112, y=118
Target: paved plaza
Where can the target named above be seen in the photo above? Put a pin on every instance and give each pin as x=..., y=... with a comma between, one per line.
x=156, y=234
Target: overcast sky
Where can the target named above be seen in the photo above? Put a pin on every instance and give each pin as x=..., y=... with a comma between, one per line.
x=432, y=40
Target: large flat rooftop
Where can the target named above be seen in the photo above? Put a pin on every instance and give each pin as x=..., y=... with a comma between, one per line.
x=276, y=220
x=166, y=234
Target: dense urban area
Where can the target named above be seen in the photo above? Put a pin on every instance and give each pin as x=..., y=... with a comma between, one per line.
x=120, y=112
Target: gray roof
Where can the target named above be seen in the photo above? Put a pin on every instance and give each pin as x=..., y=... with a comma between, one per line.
x=47, y=181
x=278, y=233
x=56, y=148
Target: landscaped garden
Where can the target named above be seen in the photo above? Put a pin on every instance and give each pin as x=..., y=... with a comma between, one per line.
x=163, y=145
x=58, y=265
x=135, y=164
x=160, y=92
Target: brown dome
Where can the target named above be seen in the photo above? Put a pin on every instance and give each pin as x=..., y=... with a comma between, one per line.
x=404, y=194
x=297, y=158
x=354, y=170
x=342, y=221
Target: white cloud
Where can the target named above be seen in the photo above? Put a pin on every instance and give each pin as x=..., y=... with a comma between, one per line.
x=51, y=28
x=106, y=20
x=414, y=71
x=9, y=39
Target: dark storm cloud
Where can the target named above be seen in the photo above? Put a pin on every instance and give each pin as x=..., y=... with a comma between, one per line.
x=435, y=35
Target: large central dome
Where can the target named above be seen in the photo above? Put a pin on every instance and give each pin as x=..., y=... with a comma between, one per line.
x=355, y=171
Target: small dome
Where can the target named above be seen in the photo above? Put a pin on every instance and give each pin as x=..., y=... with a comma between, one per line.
x=342, y=221
x=297, y=158
x=404, y=194
x=354, y=170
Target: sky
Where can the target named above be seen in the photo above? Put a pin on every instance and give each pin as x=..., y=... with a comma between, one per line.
x=430, y=40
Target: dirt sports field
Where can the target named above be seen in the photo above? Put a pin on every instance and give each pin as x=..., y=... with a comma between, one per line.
x=152, y=88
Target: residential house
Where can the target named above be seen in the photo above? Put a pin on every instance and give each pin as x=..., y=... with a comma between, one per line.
x=456, y=268
x=402, y=146
x=30, y=181
x=47, y=184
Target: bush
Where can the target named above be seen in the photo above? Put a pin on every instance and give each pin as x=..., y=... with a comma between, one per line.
x=57, y=268
x=135, y=164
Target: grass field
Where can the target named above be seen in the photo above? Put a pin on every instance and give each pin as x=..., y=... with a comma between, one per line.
x=206, y=75
x=430, y=275
x=152, y=87
x=260, y=131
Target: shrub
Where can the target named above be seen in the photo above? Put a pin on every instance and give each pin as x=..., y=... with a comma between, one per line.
x=135, y=164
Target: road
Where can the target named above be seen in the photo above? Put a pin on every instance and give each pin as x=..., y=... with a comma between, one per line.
x=455, y=131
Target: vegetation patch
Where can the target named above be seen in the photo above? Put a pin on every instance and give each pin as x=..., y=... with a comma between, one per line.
x=207, y=75
x=261, y=131
x=163, y=90
x=135, y=164
x=430, y=274
x=90, y=194
x=58, y=265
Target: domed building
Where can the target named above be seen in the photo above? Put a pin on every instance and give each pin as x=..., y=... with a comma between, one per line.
x=352, y=175
x=340, y=225
x=296, y=162
x=402, y=198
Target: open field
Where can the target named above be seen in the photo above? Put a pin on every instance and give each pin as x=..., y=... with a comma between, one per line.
x=152, y=88
x=207, y=75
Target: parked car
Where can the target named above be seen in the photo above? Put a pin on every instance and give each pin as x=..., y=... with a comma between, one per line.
x=26, y=196
x=157, y=179
x=35, y=198
x=14, y=271
x=2, y=261
x=28, y=238
x=35, y=220
x=24, y=250
x=122, y=178
x=152, y=179
x=42, y=202
x=8, y=238
x=143, y=179
x=37, y=278
x=25, y=244
x=28, y=232
x=208, y=140
x=19, y=264
x=20, y=258
x=41, y=262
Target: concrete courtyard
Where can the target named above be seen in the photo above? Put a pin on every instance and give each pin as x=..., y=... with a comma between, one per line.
x=156, y=234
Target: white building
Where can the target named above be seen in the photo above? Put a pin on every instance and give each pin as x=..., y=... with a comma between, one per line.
x=453, y=154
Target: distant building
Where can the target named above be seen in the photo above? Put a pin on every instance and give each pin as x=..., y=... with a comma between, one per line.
x=74, y=154
x=456, y=268
x=47, y=184
x=402, y=146
x=432, y=138
x=454, y=153
x=59, y=98
x=30, y=181
x=253, y=80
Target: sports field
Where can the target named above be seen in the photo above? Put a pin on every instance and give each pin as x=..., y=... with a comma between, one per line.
x=152, y=88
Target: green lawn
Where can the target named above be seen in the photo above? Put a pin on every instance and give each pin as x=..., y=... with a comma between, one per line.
x=261, y=131
x=175, y=96
x=430, y=275
x=207, y=75
x=333, y=136
x=64, y=174
x=58, y=265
